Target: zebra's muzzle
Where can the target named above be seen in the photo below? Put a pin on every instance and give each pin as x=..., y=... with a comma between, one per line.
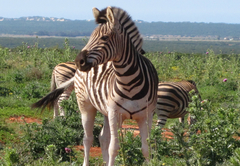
x=81, y=61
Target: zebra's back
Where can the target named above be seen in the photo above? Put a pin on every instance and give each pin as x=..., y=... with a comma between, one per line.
x=61, y=73
x=173, y=98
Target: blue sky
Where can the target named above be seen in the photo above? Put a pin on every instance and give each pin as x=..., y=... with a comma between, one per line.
x=224, y=11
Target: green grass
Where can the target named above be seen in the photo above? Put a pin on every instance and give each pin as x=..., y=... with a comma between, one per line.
x=26, y=72
x=6, y=112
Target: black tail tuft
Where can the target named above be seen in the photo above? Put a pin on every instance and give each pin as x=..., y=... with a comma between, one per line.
x=49, y=100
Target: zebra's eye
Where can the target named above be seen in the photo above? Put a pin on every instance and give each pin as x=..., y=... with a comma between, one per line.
x=104, y=38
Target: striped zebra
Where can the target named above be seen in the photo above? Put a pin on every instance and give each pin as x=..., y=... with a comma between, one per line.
x=114, y=78
x=62, y=73
x=172, y=96
x=173, y=99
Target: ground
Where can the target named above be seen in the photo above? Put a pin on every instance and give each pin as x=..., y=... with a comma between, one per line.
x=94, y=151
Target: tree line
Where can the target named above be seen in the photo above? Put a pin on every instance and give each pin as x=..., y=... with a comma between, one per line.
x=73, y=28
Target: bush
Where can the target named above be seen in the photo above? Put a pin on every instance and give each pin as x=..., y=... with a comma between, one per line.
x=62, y=133
x=11, y=157
x=212, y=139
x=130, y=149
x=33, y=90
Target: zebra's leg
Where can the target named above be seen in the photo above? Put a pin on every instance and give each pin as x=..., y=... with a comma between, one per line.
x=191, y=120
x=115, y=121
x=145, y=125
x=162, y=117
x=55, y=109
x=104, y=139
x=66, y=94
x=181, y=120
x=88, y=113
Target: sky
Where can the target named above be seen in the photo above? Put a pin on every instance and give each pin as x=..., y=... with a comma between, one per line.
x=215, y=11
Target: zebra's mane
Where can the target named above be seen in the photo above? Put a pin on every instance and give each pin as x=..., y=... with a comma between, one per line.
x=192, y=82
x=126, y=23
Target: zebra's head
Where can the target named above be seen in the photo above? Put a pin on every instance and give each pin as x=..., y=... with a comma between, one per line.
x=109, y=40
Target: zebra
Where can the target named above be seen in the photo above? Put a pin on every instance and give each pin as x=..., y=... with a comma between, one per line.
x=168, y=105
x=173, y=99
x=114, y=78
x=62, y=73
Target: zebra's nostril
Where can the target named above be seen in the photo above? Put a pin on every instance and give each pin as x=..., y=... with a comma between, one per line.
x=82, y=62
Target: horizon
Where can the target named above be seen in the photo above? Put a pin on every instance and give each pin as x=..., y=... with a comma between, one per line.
x=205, y=11
x=133, y=20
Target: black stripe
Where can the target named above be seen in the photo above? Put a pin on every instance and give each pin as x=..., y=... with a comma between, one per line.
x=165, y=104
x=163, y=115
x=68, y=67
x=66, y=76
x=164, y=110
x=131, y=113
x=126, y=21
x=169, y=98
x=129, y=26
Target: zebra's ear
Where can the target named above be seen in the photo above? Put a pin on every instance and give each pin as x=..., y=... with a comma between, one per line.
x=110, y=15
x=100, y=16
x=96, y=13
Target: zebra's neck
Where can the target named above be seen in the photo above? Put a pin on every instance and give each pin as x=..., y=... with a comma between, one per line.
x=130, y=75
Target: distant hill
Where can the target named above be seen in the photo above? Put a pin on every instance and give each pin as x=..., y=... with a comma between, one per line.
x=50, y=26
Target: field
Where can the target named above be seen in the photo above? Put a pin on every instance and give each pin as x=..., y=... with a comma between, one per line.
x=168, y=44
x=212, y=140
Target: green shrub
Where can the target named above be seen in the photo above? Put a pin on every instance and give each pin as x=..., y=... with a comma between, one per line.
x=61, y=132
x=5, y=91
x=216, y=142
x=34, y=90
x=130, y=149
x=235, y=159
x=7, y=134
x=11, y=157
x=18, y=77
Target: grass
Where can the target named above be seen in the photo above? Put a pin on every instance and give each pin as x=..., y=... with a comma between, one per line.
x=6, y=112
x=25, y=78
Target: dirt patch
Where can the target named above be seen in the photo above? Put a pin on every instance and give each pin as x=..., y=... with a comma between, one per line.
x=23, y=119
x=132, y=128
x=129, y=125
x=94, y=151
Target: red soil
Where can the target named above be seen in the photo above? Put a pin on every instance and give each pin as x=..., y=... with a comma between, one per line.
x=94, y=151
x=23, y=119
x=128, y=125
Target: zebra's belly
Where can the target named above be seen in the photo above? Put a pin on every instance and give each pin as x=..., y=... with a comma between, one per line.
x=129, y=108
x=178, y=114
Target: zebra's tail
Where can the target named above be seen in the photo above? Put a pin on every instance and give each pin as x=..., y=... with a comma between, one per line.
x=53, y=82
x=50, y=99
x=194, y=83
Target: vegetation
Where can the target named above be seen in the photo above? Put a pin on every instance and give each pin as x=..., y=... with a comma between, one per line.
x=212, y=140
x=195, y=47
